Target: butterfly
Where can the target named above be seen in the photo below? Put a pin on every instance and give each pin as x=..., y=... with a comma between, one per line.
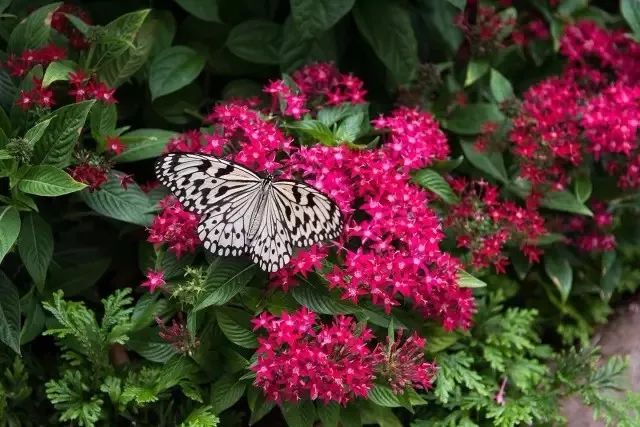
x=244, y=214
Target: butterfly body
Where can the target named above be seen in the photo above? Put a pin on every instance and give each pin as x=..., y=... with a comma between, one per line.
x=242, y=213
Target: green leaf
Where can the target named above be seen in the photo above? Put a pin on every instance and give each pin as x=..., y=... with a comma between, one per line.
x=7, y=95
x=501, y=88
x=258, y=405
x=9, y=229
x=9, y=313
x=301, y=414
x=475, y=70
x=433, y=181
x=173, y=69
x=226, y=392
x=566, y=202
x=630, y=10
x=34, y=321
x=316, y=130
x=491, y=163
x=313, y=17
x=34, y=134
x=560, y=272
x=386, y=25
x=78, y=277
x=119, y=68
x=317, y=298
x=332, y=115
x=143, y=144
x=103, y=119
x=56, y=145
x=350, y=128
x=58, y=71
x=383, y=396
x=256, y=41
x=468, y=119
x=460, y=4
x=329, y=414
x=582, y=188
x=235, y=325
x=466, y=280
x=295, y=51
x=34, y=31
x=207, y=10
x=611, y=273
x=48, y=181
x=35, y=246
x=225, y=279
x=111, y=200
x=119, y=35
x=148, y=344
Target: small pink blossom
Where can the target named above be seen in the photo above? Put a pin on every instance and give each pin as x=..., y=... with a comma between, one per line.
x=155, y=280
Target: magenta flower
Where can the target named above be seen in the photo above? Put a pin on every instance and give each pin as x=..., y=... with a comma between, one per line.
x=155, y=280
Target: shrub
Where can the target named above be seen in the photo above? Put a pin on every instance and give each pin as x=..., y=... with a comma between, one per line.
x=484, y=155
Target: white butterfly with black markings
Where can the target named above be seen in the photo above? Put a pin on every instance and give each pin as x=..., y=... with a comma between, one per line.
x=244, y=214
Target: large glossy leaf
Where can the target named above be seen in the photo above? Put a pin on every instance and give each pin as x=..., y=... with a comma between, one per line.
x=49, y=181
x=313, y=17
x=35, y=246
x=111, y=200
x=386, y=25
x=9, y=229
x=492, y=163
x=433, y=181
x=226, y=392
x=33, y=31
x=225, y=279
x=143, y=144
x=207, y=10
x=57, y=143
x=9, y=313
x=235, y=325
x=173, y=69
x=256, y=41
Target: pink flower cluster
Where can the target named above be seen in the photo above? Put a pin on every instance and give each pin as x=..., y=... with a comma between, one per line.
x=484, y=224
x=583, y=112
x=391, y=241
x=94, y=175
x=175, y=226
x=20, y=65
x=63, y=25
x=592, y=234
x=317, y=85
x=301, y=358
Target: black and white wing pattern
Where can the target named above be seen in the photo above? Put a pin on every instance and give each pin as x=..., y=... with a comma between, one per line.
x=242, y=213
x=223, y=193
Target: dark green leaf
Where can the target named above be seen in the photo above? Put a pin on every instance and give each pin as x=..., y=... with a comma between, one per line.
x=332, y=115
x=119, y=68
x=149, y=345
x=386, y=25
x=566, y=202
x=433, y=181
x=207, y=10
x=142, y=144
x=34, y=321
x=58, y=71
x=383, y=396
x=501, y=88
x=236, y=327
x=173, y=69
x=35, y=246
x=468, y=119
x=256, y=41
x=350, y=128
x=34, y=134
x=301, y=414
x=329, y=414
x=313, y=17
x=559, y=271
x=56, y=145
x=103, y=119
x=460, y=4
x=491, y=163
x=611, y=273
x=75, y=279
x=296, y=51
x=258, y=405
x=9, y=313
x=630, y=10
x=32, y=32
x=582, y=187
x=476, y=69
x=225, y=279
x=48, y=181
x=9, y=229
x=111, y=200
x=226, y=392
x=317, y=298
x=119, y=35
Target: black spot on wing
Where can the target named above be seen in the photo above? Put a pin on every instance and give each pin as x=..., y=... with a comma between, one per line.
x=224, y=171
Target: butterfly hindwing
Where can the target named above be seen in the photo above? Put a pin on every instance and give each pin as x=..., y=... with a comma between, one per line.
x=309, y=215
x=202, y=183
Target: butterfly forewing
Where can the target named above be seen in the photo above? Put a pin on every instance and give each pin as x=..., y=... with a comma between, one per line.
x=242, y=213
